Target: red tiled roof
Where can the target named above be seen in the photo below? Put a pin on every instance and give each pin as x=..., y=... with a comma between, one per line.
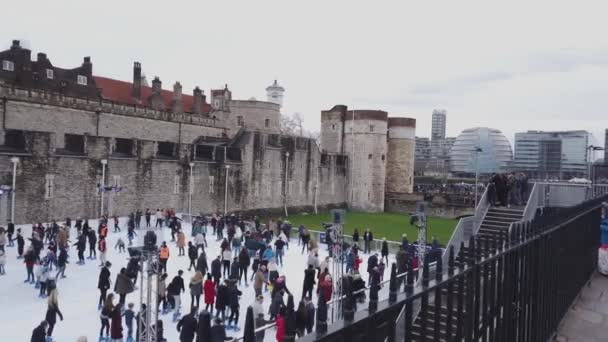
x=120, y=92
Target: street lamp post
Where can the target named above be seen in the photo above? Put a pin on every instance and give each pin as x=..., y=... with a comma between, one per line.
x=190, y=193
x=285, y=192
x=15, y=161
x=226, y=192
x=477, y=150
x=103, y=184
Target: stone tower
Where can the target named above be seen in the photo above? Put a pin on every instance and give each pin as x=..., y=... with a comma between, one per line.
x=332, y=129
x=365, y=143
x=274, y=93
x=400, y=156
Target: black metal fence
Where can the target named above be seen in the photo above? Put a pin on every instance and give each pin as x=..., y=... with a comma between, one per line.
x=518, y=293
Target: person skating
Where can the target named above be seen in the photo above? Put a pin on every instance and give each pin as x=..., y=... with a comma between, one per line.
x=260, y=322
x=131, y=234
x=221, y=300
x=309, y=281
x=259, y=280
x=209, y=293
x=276, y=304
x=20, y=244
x=243, y=263
x=216, y=270
x=301, y=318
x=39, y=333
x=29, y=261
x=371, y=263
x=187, y=326
x=181, y=243
x=80, y=247
x=325, y=285
x=123, y=285
x=148, y=216
x=305, y=239
x=129, y=315
x=233, y=301
x=192, y=255
x=175, y=289
x=196, y=289
x=103, y=248
x=310, y=314
x=105, y=315
x=384, y=250
x=279, y=245
x=201, y=241
x=2, y=262
x=368, y=237
x=10, y=230
x=42, y=274
x=116, y=323
x=201, y=263
x=92, y=245
x=234, y=269
x=120, y=245
x=161, y=292
x=103, y=284
x=52, y=312
x=116, y=224
x=163, y=257
x=226, y=257
x=62, y=262
x=218, y=332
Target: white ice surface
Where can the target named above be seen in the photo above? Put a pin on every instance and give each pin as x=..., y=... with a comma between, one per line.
x=21, y=310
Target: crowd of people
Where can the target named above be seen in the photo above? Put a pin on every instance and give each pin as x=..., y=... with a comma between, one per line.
x=508, y=189
x=219, y=279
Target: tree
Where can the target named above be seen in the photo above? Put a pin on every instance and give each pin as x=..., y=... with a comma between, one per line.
x=292, y=124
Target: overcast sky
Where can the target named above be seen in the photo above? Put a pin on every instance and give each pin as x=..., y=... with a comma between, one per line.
x=514, y=67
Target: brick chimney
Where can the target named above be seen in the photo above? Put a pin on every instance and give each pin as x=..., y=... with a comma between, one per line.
x=177, y=106
x=87, y=66
x=156, y=98
x=136, y=90
x=198, y=101
x=16, y=45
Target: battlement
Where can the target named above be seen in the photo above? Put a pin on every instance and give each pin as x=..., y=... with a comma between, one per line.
x=99, y=105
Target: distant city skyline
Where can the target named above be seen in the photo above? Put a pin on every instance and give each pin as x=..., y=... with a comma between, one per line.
x=471, y=61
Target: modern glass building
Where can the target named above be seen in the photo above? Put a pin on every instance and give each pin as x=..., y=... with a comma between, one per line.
x=552, y=155
x=495, y=155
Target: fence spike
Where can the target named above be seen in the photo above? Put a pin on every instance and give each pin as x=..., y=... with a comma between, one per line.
x=439, y=269
x=425, y=270
x=461, y=256
x=472, y=250
x=451, y=261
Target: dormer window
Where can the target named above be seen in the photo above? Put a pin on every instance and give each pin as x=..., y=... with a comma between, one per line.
x=82, y=80
x=50, y=74
x=8, y=65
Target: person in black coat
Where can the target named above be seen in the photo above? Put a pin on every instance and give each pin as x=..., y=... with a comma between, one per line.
x=81, y=245
x=175, y=288
x=309, y=281
x=233, y=302
x=192, y=255
x=216, y=270
x=371, y=263
x=62, y=261
x=244, y=261
x=52, y=312
x=103, y=284
x=201, y=263
x=301, y=318
x=384, y=250
x=221, y=300
x=92, y=245
x=218, y=332
x=187, y=326
x=368, y=237
x=39, y=333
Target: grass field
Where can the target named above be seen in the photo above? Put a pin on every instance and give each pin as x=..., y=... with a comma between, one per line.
x=389, y=225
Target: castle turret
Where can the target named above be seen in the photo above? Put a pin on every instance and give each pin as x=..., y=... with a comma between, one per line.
x=274, y=93
x=332, y=129
x=400, y=155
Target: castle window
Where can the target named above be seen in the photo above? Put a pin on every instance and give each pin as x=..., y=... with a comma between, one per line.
x=267, y=123
x=165, y=149
x=383, y=157
x=74, y=143
x=116, y=181
x=371, y=128
x=49, y=186
x=82, y=80
x=49, y=74
x=124, y=146
x=369, y=156
x=8, y=65
x=239, y=121
x=211, y=184
x=14, y=139
x=333, y=127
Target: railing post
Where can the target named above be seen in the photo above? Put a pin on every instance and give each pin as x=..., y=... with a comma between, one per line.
x=451, y=262
x=321, y=315
x=249, y=334
x=425, y=271
x=347, y=306
x=392, y=297
x=373, y=296
x=439, y=270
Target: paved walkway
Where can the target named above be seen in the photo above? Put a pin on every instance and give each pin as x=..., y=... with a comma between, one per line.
x=587, y=320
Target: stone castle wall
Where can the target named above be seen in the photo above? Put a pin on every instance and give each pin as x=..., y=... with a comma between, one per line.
x=53, y=184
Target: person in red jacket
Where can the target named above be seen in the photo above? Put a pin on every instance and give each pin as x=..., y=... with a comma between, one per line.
x=281, y=325
x=102, y=250
x=358, y=262
x=326, y=286
x=209, y=292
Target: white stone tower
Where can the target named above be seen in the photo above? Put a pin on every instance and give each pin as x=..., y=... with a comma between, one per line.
x=274, y=93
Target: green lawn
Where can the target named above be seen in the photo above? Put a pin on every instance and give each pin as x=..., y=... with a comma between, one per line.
x=389, y=225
